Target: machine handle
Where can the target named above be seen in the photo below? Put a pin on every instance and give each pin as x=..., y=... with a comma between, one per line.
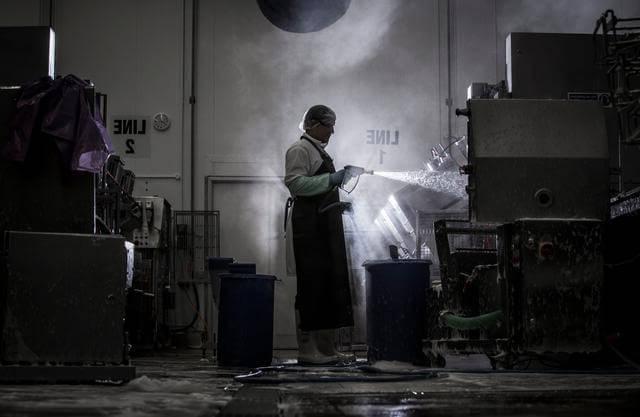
x=463, y=112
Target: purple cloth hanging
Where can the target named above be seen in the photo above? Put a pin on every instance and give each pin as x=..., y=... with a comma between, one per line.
x=59, y=108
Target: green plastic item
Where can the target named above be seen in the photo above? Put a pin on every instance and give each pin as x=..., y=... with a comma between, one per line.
x=484, y=321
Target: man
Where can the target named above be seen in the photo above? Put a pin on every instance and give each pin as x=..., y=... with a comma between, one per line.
x=323, y=302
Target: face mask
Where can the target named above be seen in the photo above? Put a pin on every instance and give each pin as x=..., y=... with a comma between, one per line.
x=323, y=144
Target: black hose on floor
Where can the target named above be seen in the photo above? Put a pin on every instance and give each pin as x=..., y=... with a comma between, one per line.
x=282, y=374
x=195, y=314
x=262, y=377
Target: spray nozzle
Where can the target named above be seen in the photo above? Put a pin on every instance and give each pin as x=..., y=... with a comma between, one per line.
x=356, y=171
x=352, y=172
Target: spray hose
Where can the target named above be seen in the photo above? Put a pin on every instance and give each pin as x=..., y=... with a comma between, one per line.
x=342, y=205
x=484, y=321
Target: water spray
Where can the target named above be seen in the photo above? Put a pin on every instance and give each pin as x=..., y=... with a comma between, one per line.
x=442, y=181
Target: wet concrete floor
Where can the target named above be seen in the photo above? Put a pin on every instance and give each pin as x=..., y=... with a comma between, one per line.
x=182, y=384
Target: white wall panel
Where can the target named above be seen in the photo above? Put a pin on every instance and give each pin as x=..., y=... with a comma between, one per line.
x=133, y=52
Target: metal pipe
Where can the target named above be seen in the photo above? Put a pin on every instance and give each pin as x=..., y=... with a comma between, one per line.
x=192, y=98
x=175, y=176
x=449, y=86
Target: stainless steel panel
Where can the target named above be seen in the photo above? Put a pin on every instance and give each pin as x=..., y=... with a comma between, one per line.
x=538, y=159
x=560, y=65
x=65, y=298
x=537, y=129
x=551, y=65
x=562, y=269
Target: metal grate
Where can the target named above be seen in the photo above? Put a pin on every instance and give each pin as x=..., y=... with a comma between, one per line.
x=474, y=236
x=426, y=247
x=626, y=204
x=196, y=237
x=426, y=237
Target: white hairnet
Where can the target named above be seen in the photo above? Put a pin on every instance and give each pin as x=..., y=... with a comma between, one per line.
x=317, y=114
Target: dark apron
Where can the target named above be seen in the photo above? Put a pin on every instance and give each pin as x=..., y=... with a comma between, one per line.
x=324, y=293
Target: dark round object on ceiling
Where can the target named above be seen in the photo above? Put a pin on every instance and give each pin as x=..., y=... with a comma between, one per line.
x=303, y=16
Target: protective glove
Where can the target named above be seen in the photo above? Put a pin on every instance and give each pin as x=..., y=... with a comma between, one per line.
x=337, y=177
x=346, y=207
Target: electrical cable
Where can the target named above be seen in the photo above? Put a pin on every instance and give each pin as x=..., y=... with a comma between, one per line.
x=625, y=262
x=196, y=307
x=372, y=369
x=343, y=205
x=624, y=357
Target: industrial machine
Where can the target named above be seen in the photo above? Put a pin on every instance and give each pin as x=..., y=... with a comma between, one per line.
x=532, y=283
x=50, y=320
x=145, y=221
x=537, y=272
x=61, y=283
x=116, y=209
x=147, y=297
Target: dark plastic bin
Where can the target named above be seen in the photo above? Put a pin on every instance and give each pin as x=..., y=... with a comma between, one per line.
x=242, y=268
x=216, y=263
x=396, y=309
x=217, y=266
x=245, y=323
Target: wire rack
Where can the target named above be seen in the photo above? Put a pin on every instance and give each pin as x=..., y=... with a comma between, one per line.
x=196, y=237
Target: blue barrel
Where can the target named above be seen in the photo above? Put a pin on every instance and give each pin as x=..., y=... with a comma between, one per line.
x=396, y=309
x=245, y=322
x=242, y=268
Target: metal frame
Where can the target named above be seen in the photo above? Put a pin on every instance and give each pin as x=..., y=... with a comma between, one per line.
x=463, y=227
x=211, y=180
x=620, y=54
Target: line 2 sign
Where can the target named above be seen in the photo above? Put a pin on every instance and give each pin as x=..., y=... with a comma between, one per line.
x=131, y=136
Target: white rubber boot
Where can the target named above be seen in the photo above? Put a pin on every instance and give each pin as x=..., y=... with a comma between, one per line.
x=309, y=352
x=312, y=349
x=327, y=345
